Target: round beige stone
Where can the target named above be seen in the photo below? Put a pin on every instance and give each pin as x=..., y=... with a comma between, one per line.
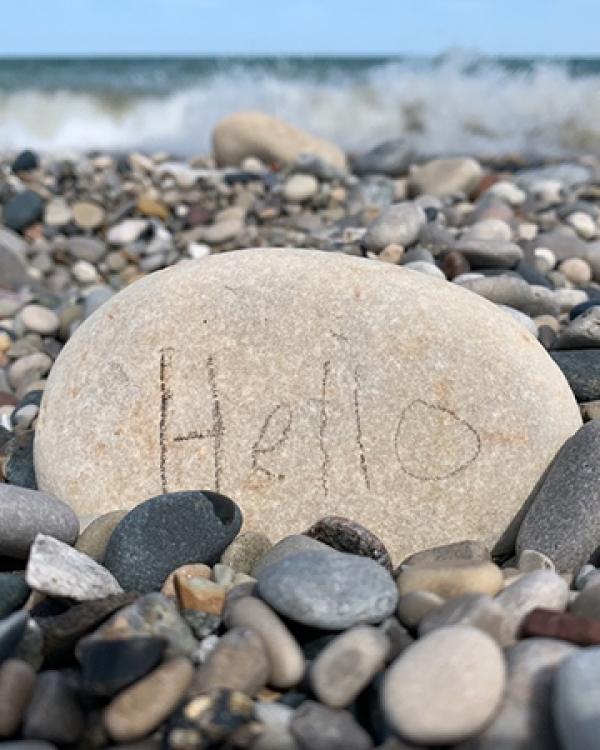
x=88, y=215
x=303, y=384
x=271, y=140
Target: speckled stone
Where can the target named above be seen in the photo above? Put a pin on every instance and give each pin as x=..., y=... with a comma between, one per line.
x=329, y=590
x=563, y=520
x=246, y=550
x=24, y=513
x=345, y=535
x=168, y=531
x=371, y=392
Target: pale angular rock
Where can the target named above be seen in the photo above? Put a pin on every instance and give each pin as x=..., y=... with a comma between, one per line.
x=271, y=140
x=368, y=392
x=59, y=570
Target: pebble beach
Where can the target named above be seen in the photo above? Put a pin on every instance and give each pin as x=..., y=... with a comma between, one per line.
x=317, y=466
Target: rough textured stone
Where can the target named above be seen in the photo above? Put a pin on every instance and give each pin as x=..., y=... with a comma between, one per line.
x=168, y=531
x=59, y=570
x=431, y=699
x=345, y=535
x=329, y=590
x=581, y=368
x=563, y=521
x=371, y=392
x=273, y=141
x=25, y=513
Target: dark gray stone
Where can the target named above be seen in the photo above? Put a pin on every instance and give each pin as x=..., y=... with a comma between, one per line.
x=26, y=161
x=111, y=665
x=12, y=630
x=582, y=333
x=563, y=520
x=564, y=244
x=168, y=531
x=316, y=727
x=87, y=248
x=24, y=513
x=19, y=469
x=14, y=592
x=391, y=158
x=345, y=535
x=23, y=210
x=54, y=713
x=490, y=253
x=581, y=368
x=329, y=590
x=576, y=699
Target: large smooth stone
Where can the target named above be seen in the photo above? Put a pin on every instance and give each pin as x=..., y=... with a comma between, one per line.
x=301, y=384
x=273, y=141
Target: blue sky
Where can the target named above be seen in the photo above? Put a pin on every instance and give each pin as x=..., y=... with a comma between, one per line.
x=70, y=27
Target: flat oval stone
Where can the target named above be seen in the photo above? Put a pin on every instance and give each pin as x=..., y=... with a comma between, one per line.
x=329, y=590
x=24, y=513
x=168, y=531
x=451, y=578
x=382, y=378
x=432, y=698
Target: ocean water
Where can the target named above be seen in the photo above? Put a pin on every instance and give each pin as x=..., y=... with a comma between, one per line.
x=455, y=103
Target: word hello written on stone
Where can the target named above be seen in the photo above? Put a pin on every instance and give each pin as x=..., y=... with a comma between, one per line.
x=419, y=428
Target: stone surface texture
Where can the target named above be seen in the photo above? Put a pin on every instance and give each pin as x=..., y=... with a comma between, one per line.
x=336, y=400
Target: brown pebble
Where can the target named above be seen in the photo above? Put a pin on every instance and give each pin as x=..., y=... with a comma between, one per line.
x=138, y=710
x=345, y=535
x=194, y=570
x=199, y=595
x=454, y=264
x=16, y=686
x=550, y=623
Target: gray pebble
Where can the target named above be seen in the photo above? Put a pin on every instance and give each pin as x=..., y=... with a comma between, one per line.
x=329, y=590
